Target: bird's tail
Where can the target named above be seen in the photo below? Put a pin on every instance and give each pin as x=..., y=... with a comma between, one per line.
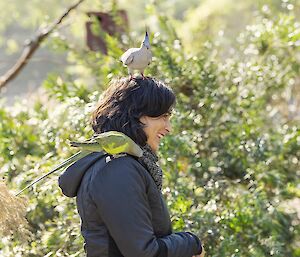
x=65, y=163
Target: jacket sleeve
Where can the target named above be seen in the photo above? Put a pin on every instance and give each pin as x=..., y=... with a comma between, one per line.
x=120, y=194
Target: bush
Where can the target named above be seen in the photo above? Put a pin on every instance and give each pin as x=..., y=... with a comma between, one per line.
x=231, y=165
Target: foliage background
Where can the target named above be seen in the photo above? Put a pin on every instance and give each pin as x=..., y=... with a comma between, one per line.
x=232, y=163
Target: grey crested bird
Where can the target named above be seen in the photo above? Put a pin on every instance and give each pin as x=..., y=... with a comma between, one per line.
x=138, y=58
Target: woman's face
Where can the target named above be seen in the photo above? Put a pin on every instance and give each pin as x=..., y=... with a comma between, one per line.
x=156, y=128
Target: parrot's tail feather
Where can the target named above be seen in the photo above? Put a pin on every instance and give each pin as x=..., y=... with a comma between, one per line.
x=68, y=161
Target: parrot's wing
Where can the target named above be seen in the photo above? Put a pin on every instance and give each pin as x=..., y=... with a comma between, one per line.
x=114, y=142
x=128, y=56
x=82, y=144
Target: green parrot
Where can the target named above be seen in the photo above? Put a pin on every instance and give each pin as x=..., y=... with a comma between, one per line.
x=111, y=142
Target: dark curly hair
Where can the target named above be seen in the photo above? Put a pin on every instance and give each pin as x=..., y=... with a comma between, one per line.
x=125, y=101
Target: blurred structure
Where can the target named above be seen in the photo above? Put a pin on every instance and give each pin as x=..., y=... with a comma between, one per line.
x=107, y=23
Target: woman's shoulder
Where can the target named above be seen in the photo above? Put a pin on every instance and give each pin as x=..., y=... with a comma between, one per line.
x=122, y=159
x=121, y=171
x=124, y=164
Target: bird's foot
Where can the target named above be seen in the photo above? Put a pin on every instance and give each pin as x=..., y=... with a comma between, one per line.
x=143, y=76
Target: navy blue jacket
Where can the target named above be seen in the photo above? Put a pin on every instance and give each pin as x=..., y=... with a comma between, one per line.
x=122, y=211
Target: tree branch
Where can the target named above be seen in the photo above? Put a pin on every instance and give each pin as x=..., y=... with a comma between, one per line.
x=32, y=46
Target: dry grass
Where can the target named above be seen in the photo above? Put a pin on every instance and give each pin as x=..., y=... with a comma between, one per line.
x=12, y=213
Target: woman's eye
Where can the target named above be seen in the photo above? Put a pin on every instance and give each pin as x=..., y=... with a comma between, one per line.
x=166, y=116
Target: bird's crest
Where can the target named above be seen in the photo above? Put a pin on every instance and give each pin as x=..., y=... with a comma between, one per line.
x=146, y=41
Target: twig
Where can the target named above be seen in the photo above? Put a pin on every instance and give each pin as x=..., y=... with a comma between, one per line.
x=32, y=46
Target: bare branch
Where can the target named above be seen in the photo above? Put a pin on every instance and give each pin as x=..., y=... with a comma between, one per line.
x=32, y=46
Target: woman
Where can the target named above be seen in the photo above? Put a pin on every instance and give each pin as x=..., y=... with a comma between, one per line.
x=119, y=197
